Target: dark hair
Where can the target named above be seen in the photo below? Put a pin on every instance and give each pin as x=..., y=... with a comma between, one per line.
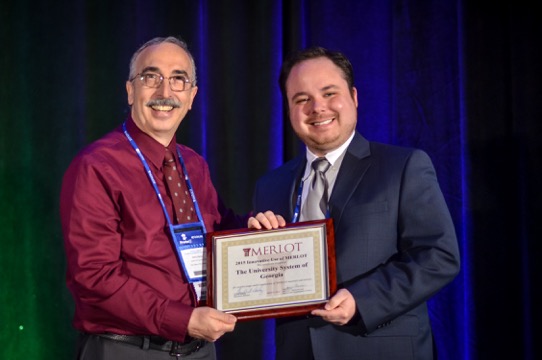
x=160, y=40
x=336, y=57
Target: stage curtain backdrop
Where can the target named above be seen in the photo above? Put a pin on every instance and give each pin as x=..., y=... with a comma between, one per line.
x=458, y=79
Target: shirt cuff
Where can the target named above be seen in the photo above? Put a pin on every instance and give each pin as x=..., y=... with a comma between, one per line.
x=175, y=321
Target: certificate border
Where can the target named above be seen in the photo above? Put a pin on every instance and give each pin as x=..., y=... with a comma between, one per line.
x=275, y=310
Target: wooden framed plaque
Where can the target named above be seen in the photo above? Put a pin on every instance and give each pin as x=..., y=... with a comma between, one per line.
x=257, y=274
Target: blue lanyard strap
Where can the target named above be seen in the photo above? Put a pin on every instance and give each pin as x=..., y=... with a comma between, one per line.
x=153, y=181
x=297, y=209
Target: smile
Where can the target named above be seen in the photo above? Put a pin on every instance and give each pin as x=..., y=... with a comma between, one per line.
x=324, y=122
x=162, y=107
x=165, y=105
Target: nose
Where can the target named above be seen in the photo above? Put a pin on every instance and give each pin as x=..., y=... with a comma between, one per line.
x=164, y=89
x=316, y=105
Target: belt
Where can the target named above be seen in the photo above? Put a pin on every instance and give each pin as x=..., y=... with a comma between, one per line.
x=175, y=348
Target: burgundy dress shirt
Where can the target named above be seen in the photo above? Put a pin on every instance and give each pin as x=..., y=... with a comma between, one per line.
x=122, y=268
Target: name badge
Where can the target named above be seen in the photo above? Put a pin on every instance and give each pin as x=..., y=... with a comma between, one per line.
x=190, y=245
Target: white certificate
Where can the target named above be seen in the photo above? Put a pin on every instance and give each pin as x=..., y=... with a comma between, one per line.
x=271, y=273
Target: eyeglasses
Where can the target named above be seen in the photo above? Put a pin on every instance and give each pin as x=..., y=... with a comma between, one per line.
x=176, y=82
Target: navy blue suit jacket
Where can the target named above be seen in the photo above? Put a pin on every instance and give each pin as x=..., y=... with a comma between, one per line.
x=395, y=246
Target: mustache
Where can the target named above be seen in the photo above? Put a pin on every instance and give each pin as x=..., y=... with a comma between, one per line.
x=164, y=102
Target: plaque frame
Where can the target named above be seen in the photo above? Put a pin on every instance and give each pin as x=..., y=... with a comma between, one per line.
x=317, y=235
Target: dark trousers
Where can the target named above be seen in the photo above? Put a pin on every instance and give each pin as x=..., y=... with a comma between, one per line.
x=94, y=347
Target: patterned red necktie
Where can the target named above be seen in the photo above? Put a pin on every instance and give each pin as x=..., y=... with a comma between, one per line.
x=178, y=192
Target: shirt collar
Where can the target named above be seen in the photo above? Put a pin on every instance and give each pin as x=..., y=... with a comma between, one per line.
x=151, y=149
x=331, y=156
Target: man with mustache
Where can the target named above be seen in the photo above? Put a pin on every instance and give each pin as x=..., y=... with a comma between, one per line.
x=136, y=293
x=395, y=243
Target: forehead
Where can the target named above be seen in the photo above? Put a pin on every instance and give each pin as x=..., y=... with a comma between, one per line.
x=166, y=57
x=315, y=72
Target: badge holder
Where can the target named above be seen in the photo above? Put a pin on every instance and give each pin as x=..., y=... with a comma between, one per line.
x=189, y=242
x=190, y=245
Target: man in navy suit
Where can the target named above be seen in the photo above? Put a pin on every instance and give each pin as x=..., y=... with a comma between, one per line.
x=395, y=241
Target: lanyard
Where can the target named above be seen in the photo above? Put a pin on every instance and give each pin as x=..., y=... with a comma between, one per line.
x=155, y=186
x=297, y=209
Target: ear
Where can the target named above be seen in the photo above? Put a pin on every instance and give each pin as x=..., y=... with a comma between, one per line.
x=355, y=96
x=130, y=92
x=193, y=92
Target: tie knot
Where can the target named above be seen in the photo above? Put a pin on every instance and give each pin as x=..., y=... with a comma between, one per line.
x=321, y=165
x=168, y=157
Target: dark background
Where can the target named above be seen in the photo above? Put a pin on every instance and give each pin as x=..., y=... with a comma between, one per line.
x=459, y=79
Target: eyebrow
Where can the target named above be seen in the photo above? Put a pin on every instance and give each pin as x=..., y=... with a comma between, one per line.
x=157, y=70
x=324, y=89
x=329, y=87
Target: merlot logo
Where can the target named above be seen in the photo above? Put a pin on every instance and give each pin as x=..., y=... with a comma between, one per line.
x=272, y=249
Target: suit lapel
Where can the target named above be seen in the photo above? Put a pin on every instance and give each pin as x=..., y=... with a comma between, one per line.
x=355, y=163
